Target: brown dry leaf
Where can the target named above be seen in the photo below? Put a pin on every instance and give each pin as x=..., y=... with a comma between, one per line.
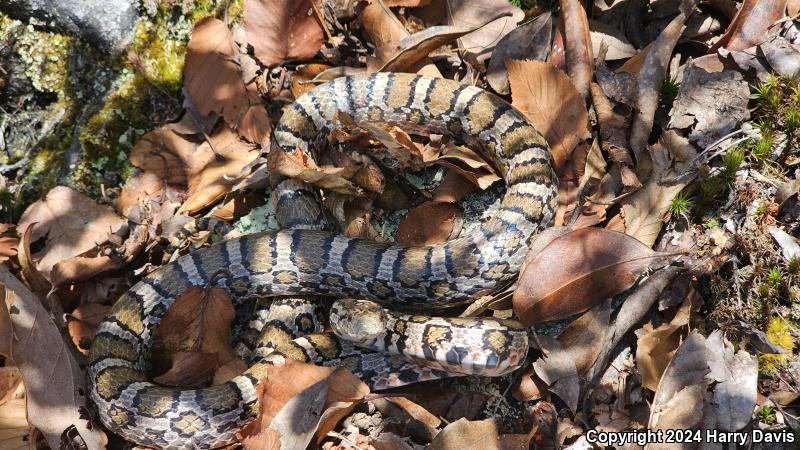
x=550, y=101
x=10, y=380
x=384, y=29
x=35, y=279
x=8, y=241
x=386, y=32
x=710, y=104
x=211, y=75
x=558, y=372
x=211, y=176
x=398, y=143
x=189, y=369
x=83, y=322
x=793, y=8
x=15, y=433
x=238, y=206
x=429, y=223
x=82, y=268
x=299, y=165
x=309, y=401
x=198, y=322
x=578, y=270
x=469, y=164
x=254, y=125
x=148, y=189
x=279, y=30
x=618, y=45
x=528, y=41
x=205, y=176
x=81, y=334
x=736, y=374
x=643, y=212
x=583, y=338
x=475, y=435
x=71, y=222
x=53, y=381
x=578, y=48
x=679, y=398
x=453, y=188
x=471, y=13
x=303, y=75
x=613, y=129
x=413, y=50
x=655, y=349
x=750, y=25
x=651, y=77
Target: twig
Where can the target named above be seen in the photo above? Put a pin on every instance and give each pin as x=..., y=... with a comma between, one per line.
x=344, y=439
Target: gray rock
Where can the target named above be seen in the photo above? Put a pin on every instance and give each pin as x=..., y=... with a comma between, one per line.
x=106, y=24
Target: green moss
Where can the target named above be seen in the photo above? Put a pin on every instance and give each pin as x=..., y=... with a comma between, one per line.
x=779, y=333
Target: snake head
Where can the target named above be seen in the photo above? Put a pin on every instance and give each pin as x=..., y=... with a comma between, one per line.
x=358, y=321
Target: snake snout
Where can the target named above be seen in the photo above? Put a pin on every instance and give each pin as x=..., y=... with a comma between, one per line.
x=358, y=321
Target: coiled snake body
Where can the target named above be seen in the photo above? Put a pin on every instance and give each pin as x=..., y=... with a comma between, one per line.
x=304, y=262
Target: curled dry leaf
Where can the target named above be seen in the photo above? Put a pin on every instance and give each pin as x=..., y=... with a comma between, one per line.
x=656, y=347
x=53, y=381
x=550, y=101
x=32, y=275
x=618, y=45
x=651, y=76
x=71, y=222
x=197, y=323
x=469, y=164
x=749, y=26
x=279, y=30
x=206, y=173
x=471, y=13
x=429, y=223
x=578, y=46
x=8, y=241
x=298, y=164
x=578, y=270
x=211, y=75
x=528, y=41
x=300, y=401
x=413, y=50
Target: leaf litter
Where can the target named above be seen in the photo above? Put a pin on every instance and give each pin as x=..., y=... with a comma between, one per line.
x=646, y=110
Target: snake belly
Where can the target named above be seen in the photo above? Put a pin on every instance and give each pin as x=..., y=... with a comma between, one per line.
x=308, y=262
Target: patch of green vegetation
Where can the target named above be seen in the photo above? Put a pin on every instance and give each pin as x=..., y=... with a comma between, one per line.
x=680, y=205
x=775, y=276
x=669, y=91
x=777, y=108
x=793, y=265
x=767, y=415
x=712, y=188
x=779, y=333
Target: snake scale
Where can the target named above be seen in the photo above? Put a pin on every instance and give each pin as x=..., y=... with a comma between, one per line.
x=311, y=262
